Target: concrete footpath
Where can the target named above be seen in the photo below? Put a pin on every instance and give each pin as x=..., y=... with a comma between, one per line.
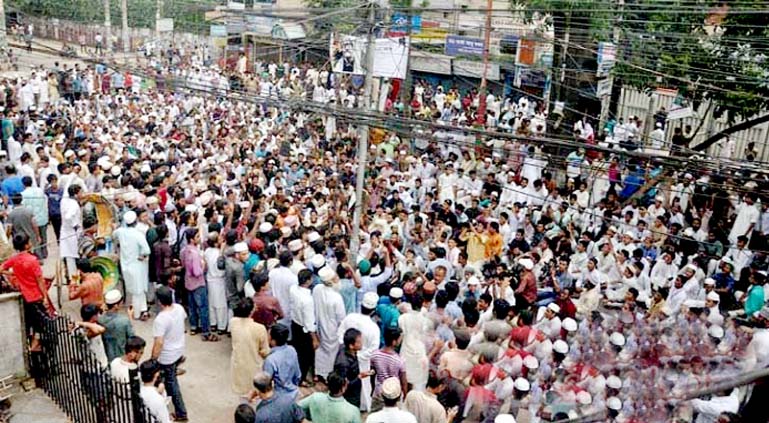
x=35, y=406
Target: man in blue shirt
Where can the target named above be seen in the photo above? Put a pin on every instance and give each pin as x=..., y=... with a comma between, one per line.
x=274, y=406
x=282, y=365
x=11, y=185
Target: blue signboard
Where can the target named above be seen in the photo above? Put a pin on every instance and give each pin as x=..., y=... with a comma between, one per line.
x=463, y=46
x=402, y=24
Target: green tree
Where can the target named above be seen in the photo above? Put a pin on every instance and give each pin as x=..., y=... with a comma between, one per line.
x=712, y=52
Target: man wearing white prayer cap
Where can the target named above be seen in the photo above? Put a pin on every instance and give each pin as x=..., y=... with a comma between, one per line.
x=391, y=394
x=550, y=324
x=134, y=263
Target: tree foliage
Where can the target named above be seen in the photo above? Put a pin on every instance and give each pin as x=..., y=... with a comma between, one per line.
x=715, y=51
x=188, y=15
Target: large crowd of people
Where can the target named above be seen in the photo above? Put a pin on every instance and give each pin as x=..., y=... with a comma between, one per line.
x=500, y=281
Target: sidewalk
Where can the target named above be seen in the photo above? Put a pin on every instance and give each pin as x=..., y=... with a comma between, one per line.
x=35, y=406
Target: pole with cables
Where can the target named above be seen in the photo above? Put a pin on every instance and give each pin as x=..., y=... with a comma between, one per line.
x=124, y=16
x=480, y=119
x=363, y=138
x=107, y=26
x=3, y=39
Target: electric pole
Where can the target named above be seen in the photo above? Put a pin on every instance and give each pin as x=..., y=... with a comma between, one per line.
x=3, y=39
x=616, y=38
x=363, y=138
x=158, y=17
x=124, y=13
x=480, y=119
x=107, y=26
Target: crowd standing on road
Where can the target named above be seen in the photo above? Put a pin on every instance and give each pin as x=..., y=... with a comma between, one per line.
x=498, y=282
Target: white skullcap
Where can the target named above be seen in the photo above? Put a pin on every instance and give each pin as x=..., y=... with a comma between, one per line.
x=317, y=261
x=129, y=217
x=396, y=293
x=522, y=384
x=614, y=403
x=240, y=247
x=713, y=296
x=504, y=418
x=326, y=274
x=312, y=237
x=69, y=153
x=473, y=280
x=584, y=398
x=716, y=331
x=285, y=231
x=614, y=382
x=116, y=171
x=560, y=346
x=391, y=388
x=526, y=263
x=617, y=339
x=265, y=227
x=151, y=200
x=710, y=281
x=531, y=362
x=569, y=324
x=113, y=296
x=295, y=244
x=370, y=300
x=555, y=308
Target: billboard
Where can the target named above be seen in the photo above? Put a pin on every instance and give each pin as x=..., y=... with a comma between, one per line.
x=347, y=54
x=607, y=56
x=218, y=30
x=464, y=46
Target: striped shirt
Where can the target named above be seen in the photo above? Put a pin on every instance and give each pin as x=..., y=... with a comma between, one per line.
x=386, y=364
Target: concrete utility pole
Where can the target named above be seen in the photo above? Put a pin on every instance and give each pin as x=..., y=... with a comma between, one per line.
x=124, y=15
x=3, y=38
x=107, y=26
x=363, y=138
x=158, y=17
x=480, y=119
x=606, y=100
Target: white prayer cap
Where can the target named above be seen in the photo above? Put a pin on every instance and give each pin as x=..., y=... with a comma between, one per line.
x=554, y=308
x=569, y=324
x=526, y=263
x=116, y=171
x=504, y=418
x=129, y=217
x=295, y=245
x=659, y=198
x=285, y=231
x=716, y=331
x=370, y=300
x=614, y=382
x=522, y=384
x=313, y=236
x=326, y=275
x=317, y=261
x=689, y=232
x=240, y=247
x=113, y=296
x=69, y=153
x=613, y=229
x=584, y=398
x=265, y=227
x=630, y=234
x=617, y=339
x=205, y=198
x=710, y=281
x=560, y=346
x=272, y=263
x=614, y=403
x=396, y=293
x=531, y=362
x=391, y=388
x=473, y=280
x=713, y=296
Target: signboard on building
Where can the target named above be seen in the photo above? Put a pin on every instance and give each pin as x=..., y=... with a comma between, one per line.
x=464, y=46
x=475, y=69
x=164, y=25
x=603, y=87
x=218, y=30
x=347, y=54
x=607, y=56
x=430, y=62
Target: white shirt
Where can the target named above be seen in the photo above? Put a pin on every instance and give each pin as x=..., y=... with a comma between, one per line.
x=281, y=281
x=120, y=369
x=370, y=334
x=757, y=354
x=169, y=324
x=391, y=415
x=710, y=410
x=302, y=308
x=155, y=403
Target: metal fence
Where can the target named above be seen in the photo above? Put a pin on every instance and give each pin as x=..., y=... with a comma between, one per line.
x=68, y=371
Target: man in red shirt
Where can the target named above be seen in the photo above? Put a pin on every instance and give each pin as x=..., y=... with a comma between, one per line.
x=526, y=293
x=24, y=270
